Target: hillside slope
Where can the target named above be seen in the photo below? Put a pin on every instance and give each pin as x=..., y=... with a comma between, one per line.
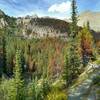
x=34, y=26
x=92, y=17
x=40, y=27
x=6, y=21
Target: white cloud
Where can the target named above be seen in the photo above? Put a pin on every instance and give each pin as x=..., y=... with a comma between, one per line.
x=60, y=8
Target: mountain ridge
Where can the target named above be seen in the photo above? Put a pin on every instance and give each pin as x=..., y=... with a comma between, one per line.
x=34, y=26
x=92, y=17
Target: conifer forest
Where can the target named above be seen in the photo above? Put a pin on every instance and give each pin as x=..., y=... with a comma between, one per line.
x=48, y=58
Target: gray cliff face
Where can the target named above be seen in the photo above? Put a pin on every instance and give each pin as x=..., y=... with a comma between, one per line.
x=3, y=23
x=40, y=27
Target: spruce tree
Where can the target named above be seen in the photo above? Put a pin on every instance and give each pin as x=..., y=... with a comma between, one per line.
x=74, y=28
x=15, y=86
x=72, y=60
x=19, y=83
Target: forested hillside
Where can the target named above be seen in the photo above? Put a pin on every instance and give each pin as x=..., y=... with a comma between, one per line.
x=42, y=27
x=48, y=59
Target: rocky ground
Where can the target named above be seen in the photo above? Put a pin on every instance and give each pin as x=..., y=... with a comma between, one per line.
x=86, y=90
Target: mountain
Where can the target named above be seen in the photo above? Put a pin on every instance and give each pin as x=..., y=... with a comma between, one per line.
x=44, y=26
x=6, y=21
x=2, y=13
x=34, y=26
x=92, y=17
x=3, y=22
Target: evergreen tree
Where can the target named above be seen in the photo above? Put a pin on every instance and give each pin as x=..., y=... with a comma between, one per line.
x=72, y=63
x=72, y=60
x=19, y=83
x=74, y=27
x=14, y=87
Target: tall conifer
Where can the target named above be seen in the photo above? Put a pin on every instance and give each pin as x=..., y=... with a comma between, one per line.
x=72, y=60
x=19, y=83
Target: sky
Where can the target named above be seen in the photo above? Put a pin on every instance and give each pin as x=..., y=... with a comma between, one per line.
x=52, y=8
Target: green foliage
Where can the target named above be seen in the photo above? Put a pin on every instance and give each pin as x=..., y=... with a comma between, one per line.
x=74, y=27
x=7, y=90
x=72, y=59
x=72, y=65
x=44, y=53
x=34, y=90
x=10, y=91
x=98, y=62
x=58, y=91
x=37, y=89
x=4, y=54
x=96, y=80
x=19, y=83
x=46, y=87
x=59, y=84
x=10, y=20
x=86, y=44
x=13, y=89
x=56, y=95
x=43, y=58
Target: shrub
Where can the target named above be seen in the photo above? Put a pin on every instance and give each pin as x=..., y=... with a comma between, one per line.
x=98, y=62
x=7, y=90
x=34, y=91
x=58, y=85
x=96, y=80
x=56, y=95
x=57, y=91
x=46, y=87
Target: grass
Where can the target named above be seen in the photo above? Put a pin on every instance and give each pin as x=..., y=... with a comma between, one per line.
x=58, y=92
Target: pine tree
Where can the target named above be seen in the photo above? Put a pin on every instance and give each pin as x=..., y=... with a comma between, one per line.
x=72, y=64
x=72, y=60
x=74, y=27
